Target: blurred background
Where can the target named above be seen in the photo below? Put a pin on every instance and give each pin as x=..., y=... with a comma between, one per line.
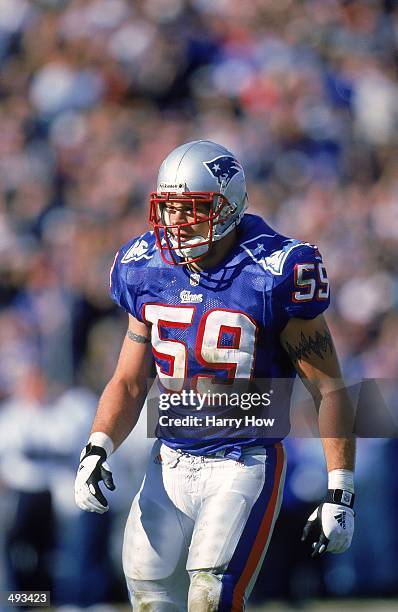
x=93, y=95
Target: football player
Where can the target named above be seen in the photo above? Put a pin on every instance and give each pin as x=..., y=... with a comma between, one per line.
x=218, y=296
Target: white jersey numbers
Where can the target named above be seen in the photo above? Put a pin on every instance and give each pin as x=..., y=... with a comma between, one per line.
x=305, y=282
x=323, y=293
x=238, y=356
x=225, y=340
x=175, y=352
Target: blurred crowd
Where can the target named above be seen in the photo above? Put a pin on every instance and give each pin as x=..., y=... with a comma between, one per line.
x=95, y=93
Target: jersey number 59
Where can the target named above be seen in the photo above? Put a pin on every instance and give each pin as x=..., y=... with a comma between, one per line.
x=237, y=359
x=307, y=287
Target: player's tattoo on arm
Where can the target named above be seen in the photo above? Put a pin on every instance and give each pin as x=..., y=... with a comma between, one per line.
x=320, y=345
x=137, y=337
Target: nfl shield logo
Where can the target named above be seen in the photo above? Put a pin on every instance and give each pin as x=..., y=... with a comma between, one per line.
x=194, y=279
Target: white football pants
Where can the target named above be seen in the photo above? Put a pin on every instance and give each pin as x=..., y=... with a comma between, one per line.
x=203, y=524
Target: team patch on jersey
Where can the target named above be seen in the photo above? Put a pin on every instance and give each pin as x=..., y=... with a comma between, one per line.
x=223, y=168
x=274, y=262
x=194, y=279
x=137, y=251
x=190, y=298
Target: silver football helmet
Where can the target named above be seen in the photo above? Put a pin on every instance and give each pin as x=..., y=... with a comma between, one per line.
x=205, y=181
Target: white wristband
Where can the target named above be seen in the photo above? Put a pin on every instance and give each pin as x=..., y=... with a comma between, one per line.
x=98, y=438
x=341, y=479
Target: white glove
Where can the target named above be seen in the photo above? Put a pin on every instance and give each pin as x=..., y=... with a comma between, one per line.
x=332, y=523
x=92, y=469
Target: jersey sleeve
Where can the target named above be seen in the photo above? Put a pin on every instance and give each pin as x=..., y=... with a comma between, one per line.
x=303, y=289
x=123, y=289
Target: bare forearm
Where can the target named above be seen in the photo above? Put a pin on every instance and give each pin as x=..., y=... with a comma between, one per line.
x=336, y=426
x=339, y=453
x=118, y=410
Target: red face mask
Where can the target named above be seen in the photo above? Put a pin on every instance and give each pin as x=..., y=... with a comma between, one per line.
x=184, y=223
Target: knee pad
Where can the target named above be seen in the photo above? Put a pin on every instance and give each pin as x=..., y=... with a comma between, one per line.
x=150, y=596
x=204, y=592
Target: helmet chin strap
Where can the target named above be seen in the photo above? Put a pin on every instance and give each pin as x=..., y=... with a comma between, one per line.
x=190, y=249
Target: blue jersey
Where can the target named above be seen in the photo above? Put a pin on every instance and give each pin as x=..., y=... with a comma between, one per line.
x=224, y=323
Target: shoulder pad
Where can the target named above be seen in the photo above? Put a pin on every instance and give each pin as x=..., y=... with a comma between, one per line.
x=271, y=251
x=128, y=271
x=139, y=249
x=302, y=286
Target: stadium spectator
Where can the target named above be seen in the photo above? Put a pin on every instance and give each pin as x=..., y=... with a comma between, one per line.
x=93, y=93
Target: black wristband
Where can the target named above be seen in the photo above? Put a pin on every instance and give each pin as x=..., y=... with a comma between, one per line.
x=340, y=496
x=95, y=450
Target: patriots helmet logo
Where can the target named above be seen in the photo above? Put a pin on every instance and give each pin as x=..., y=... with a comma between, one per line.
x=223, y=168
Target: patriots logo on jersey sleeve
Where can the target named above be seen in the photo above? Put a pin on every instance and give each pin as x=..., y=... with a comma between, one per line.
x=274, y=261
x=223, y=168
x=139, y=250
